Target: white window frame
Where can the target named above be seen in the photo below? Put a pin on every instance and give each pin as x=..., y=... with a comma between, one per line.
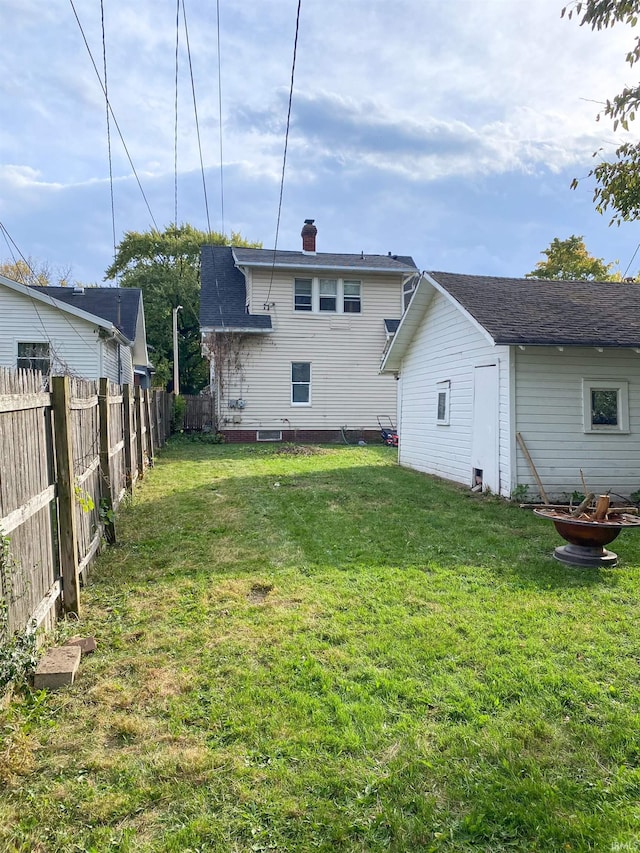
x=621, y=387
x=443, y=389
x=269, y=435
x=339, y=296
x=307, y=402
x=32, y=343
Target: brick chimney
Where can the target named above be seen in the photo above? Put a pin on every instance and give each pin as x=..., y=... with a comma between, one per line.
x=308, y=234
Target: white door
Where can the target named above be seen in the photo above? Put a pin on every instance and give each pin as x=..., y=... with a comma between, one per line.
x=484, y=438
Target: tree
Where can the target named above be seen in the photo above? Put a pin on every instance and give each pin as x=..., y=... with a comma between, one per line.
x=617, y=181
x=165, y=265
x=31, y=272
x=569, y=260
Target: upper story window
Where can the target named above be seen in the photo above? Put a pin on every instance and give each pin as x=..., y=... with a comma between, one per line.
x=303, y=294
x=327, y=295
x=34, y=356
x=351, y=301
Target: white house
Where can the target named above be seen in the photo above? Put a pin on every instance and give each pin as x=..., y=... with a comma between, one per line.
x=482, y=360
x=295, y=339
x=89, y=332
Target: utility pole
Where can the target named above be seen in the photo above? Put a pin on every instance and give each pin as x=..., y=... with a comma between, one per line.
x=176, y=365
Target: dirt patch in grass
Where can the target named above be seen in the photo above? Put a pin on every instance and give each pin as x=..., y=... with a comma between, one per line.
x=300, y=450
x=259, y=592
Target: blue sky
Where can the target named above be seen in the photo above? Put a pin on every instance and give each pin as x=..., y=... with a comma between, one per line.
x=448, y=131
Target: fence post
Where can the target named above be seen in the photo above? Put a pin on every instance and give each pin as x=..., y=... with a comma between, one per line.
x=67, y=534
x=128, y=430
x=147, y=417
x=106, y=499
x=139, y=432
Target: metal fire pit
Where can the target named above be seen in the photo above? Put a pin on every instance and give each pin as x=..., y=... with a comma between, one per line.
x=587, y=537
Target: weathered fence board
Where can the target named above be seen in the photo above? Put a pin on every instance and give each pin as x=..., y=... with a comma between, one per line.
x=199, y=413
x=67, y=458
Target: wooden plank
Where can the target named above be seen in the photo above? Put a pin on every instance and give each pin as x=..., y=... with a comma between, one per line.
x=147, y=420
x=21, y=402
x=66, y=495
x=128, y=431
x=82, y=478
x=106, y=499
x=42, y=610
x=139, y=433
x=31, y=507
x=91, y=551
x=113, y=451
x=76, y=404
x=534, y=471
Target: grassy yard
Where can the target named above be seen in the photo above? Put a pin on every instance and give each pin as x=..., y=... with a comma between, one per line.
x=313, y=649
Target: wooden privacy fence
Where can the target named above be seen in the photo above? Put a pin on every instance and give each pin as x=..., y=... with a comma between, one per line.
x=68, y=456
x=199, y=413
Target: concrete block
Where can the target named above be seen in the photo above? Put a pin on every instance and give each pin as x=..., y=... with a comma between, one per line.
x=57, y=668
x=85, y=644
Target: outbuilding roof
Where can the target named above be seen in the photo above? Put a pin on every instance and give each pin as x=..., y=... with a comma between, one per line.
x=540, y=312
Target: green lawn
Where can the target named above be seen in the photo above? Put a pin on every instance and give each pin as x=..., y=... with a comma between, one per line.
x=314, y=649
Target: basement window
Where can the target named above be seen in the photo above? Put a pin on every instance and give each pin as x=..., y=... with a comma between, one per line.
x=605, y=406
x=269, y=435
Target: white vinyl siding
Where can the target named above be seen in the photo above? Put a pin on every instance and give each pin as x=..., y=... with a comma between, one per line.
x=446, y=349
x=343, y=348
x=75, y=345
x=550, y=416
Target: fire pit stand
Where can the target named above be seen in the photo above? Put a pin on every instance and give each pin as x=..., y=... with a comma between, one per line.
x=586, y=538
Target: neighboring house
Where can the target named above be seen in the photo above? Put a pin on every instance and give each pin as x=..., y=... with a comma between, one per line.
x=88, y=332
x=482, y=359
x=295, y=339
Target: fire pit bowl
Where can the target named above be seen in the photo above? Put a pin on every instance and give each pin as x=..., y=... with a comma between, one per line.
x=587, y=537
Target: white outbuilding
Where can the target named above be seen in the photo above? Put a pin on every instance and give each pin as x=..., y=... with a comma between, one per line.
x=492, y=368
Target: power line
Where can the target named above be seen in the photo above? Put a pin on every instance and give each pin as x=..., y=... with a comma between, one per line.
x=115, y=121
x=106, y=100
x=175, y=127
x=220, y=117
x=195, y=111
x=624, y=275
x=286, y=143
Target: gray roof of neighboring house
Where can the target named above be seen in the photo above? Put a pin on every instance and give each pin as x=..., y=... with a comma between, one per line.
x=116, y=305
x=325, y=260
x=223, y=294
x=541, y=312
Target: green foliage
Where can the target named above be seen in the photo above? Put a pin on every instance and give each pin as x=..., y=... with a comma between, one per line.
x=617, y=181
x=177, y=413
x=569, y=260
x=520, y=493
x=18, y=652
x=166, y=266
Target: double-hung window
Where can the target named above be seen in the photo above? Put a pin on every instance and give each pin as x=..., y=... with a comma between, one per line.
x=351, y=297
x=327, y=295
x=303, y=294
x=300, y=383
x=328, y=288
x=34, y=356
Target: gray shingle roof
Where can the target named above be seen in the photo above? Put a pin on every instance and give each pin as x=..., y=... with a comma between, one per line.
x=223, y=293
x=116, y=305
x=326, y=260
x=541, y=312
